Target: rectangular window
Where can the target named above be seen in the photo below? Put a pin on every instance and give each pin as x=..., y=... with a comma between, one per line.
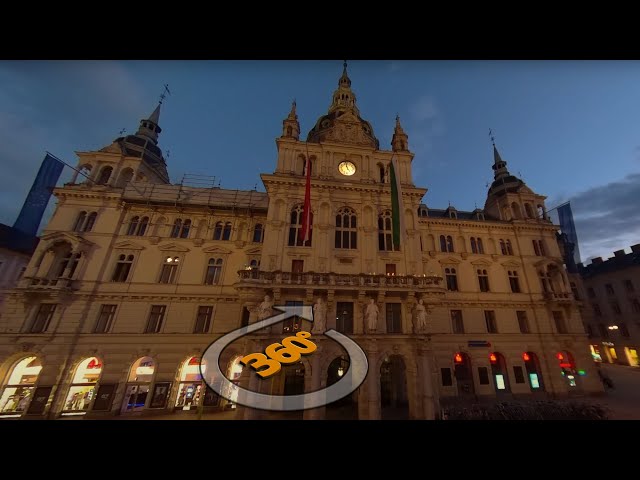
x=483, y=280
x=123, y=267
x=297, y=267
x=156, y=316
x=596, y=310
x=514, y=281
x=452, y=279
x=394, y=318
x=456, y=321
x=635, y=304
x=483, y=375
x=609, y=288
x=43, y=317
x=574, y=290
x=490, y=321
x=604, y=332
x=523, y=321
x=105, y=319
x=591, y=293
x=447, y=379
x=168, y=273
x=624, y=331
x=244, y=321
x=629, y=286
x=615, y=306
x=203, y=320
x=536, y=249
x=518, y=374
x=344, y=317
x=214, y=269
x=292, y=324
x=391, y=268
x=558, y=318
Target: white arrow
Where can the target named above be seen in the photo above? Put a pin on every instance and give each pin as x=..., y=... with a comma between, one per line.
x=349, y=382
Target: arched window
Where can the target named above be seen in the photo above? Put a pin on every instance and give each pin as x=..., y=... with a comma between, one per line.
x=254, y=263
x=125, y=177
x=217, y=231
x=65, y=260
x=346, y=235
x=104, y=176
x=83, y=385
x=139, y=383
x=18, y=391
x=446, y=243
x=289, y=131
x=382, y=173
x=449, y=243
x=258, y=233
x=169, y=270
x=123, y=267
x=385, y=233
x=177, y=226
x=480, y=246
x=80, y=221
x=452, y=279
x=214, y=269
x=528, y=211
x=226, y=232
x=463, y=374
x=142, y=228
x=133, y=225
x=309, y=163
x=499, y=372
x=191, y=384
x=91, y=220
x=295, y=227
x=234, y=372
x=515, y=209
x=547, y=283
x=508, y=247
x=532, y=366
x=186, y=226
x=541, y=212
x=474, y=246
x=84, y=174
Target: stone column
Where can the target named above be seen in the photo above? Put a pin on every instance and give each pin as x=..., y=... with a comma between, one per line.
x=425, y=381
x=315, y=383
x=373, y=382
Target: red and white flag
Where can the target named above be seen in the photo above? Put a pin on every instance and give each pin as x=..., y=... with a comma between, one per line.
x=305, y=231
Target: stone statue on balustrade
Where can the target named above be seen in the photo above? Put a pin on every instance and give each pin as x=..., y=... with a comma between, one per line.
x=319, y=316
x=371, y=316
x=420, y=317
x=265, y=309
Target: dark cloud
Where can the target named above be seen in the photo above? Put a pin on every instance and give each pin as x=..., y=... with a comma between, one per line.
x=607, y=217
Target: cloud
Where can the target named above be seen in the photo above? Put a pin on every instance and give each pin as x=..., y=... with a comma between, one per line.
x=424, y=124
x=607, y=217
x=57, y=106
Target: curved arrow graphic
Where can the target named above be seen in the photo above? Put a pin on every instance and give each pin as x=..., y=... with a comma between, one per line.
x=349, y=382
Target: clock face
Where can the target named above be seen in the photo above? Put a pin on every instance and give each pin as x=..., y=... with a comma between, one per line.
x=347, y=168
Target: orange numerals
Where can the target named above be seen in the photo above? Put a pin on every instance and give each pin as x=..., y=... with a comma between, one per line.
x=289, y=351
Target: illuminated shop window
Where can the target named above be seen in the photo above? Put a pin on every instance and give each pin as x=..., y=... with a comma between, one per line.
x=191, y=384
x=235, y=370
x=139, y=383
x=17, y=392
x=83, y=385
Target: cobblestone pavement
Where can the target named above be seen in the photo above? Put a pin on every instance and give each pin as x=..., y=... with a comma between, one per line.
x=624, y=400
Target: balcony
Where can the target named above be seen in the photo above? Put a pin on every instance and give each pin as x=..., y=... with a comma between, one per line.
x=42, y=283
x=562, y=297
x=254, y=277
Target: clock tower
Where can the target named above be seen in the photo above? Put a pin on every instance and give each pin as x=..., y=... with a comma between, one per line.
x=349, y=173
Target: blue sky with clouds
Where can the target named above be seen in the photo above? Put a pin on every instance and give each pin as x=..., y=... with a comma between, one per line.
x=571, y=129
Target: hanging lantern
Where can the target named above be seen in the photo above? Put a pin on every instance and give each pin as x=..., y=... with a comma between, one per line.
x=457, y=358
x=526, y=357
x=493, y=358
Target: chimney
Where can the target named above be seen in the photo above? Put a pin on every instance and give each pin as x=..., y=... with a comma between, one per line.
x=596, y=261
x=635, y=248
x=619, y=253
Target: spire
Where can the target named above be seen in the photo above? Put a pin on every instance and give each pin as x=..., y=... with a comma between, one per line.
x=400, y=140
x=155, y=116
x=149, y=127
x=344, y=81
x=290, y=125
x=343, y=98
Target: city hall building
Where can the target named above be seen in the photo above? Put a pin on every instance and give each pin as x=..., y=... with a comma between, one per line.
x=134, y=277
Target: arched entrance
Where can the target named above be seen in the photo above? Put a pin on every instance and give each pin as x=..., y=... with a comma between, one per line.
x=568, y=369
x=394, y=402
x=463, y=374
x=139, y=383
x=534, y=373
x=191, y=385
x=499, y=373
x=20, y=385
x=83, y=386
x=233, y=373
x=346, y=408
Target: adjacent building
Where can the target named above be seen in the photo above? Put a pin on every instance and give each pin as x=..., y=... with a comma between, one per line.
x=135, y=276
x=612, y=294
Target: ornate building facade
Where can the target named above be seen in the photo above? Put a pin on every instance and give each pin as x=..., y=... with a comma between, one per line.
x=134, y=277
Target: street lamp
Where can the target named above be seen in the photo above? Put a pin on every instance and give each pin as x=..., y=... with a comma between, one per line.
x=613, y=327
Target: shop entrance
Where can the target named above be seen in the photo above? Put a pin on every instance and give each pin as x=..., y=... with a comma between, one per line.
x=394, y=401
x=139, y=383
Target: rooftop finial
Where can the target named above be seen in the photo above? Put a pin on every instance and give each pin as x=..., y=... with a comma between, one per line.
x=493, y=140
x=345, y=66
x=122, y=131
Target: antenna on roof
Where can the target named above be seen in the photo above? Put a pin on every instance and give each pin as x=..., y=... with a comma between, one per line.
x=164, y=93
x=122, y=131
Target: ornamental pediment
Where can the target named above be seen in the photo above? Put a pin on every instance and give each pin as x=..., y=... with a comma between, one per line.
x=217, y=249
x=173, y=247
x=127, y=245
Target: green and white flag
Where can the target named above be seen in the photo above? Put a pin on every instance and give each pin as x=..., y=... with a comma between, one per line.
x=397, y=209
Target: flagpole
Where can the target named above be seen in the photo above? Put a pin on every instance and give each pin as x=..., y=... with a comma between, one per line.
x=65, y=163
